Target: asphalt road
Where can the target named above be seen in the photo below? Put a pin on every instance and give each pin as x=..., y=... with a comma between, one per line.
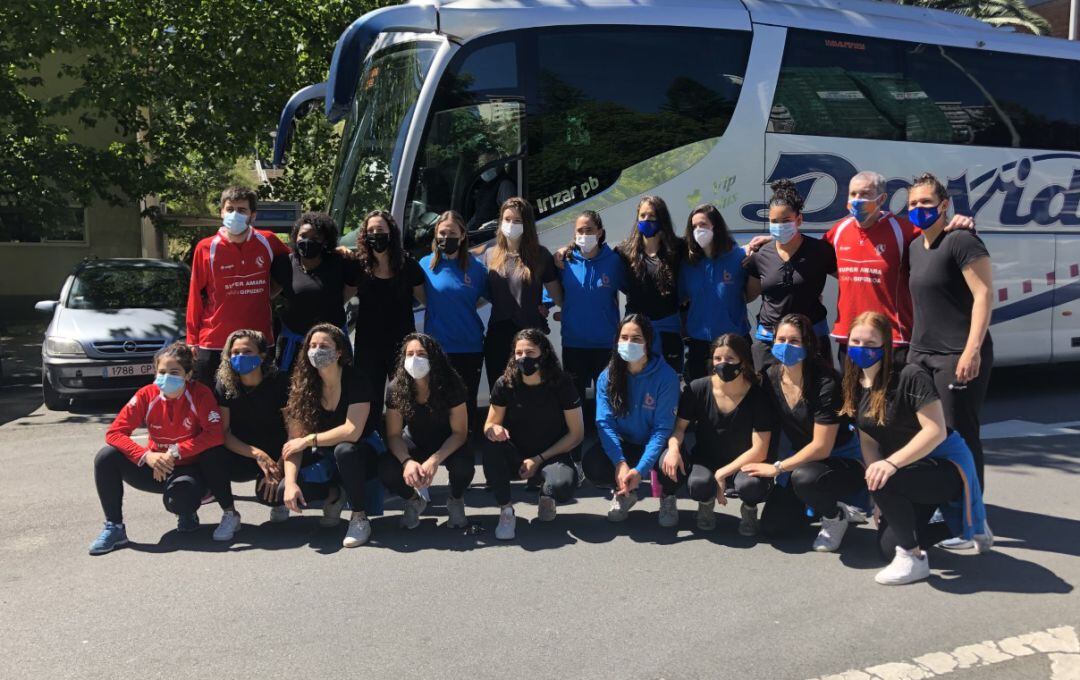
x=578, y=598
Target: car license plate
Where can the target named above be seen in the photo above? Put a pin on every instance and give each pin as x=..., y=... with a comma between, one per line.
x=127, y=370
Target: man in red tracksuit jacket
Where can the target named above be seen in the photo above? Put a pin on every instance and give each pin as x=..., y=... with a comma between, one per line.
x=230, y=282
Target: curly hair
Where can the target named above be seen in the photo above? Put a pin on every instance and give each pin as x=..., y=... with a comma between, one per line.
x=551, y=370
x=367, y=256
x=179, y=351
x=443, y=380
x=786, y=195
x=528, y=259
x=324, y=226
x=618, y=388
x=633, y=248
x=305, y=392
x=721, y=236
x=226, y=376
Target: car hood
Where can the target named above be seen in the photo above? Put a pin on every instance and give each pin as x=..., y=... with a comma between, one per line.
x=89, y=325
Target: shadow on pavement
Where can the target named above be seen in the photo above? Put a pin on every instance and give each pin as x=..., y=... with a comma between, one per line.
x=1056, y=453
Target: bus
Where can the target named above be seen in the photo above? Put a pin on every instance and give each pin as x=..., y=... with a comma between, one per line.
x=590, y=104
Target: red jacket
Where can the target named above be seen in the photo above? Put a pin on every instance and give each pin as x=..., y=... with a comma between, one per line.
x=230, y=287
x=192, y=422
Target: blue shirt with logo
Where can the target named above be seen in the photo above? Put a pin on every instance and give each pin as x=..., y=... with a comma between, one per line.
x=590, y=310
x=650, y=417
x=452, y=296
x=716, y=289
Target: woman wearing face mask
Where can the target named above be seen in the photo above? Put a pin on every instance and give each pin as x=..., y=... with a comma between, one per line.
x=714, y=283
x=333, y=446
x=733, y=421
x=252, y=393
x=182, y=459
x=792, y=271
x=455, y=285
x=519, y=270
x=914, y=463
x=532, y=426
x=427, y=426
x=824, y=465
x=636, y=397
x=315, y=281
x=391, y=281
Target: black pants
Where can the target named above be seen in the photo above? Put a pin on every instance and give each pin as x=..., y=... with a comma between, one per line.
x=459, y=464
x=356, y=464
x=182, y=491
x=701, y=484
x=601, y=471
x=206, y=365
x=820, y=485
x=763, y=356
x=899, y=355
x=909, y=498
x=585, y=366
x=244, y=469
x=671, y=344
x=502, y=460
x=497, y=349
x=469, y=365
x=962, y=407
x=377, y=364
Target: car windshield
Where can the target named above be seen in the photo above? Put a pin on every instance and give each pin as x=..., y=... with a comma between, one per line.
x=129, y=287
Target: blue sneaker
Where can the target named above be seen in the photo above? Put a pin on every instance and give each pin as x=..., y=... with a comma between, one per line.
x=112, y=536
x=185, y=524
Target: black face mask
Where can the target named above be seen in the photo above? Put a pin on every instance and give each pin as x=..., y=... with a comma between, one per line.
x=448, y=244
x=309, y=248
x=379, y=241
x=727, y=372
x=528, y=365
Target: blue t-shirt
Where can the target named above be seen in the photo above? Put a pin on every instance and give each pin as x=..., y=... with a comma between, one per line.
x=716, y=289
x=452, y=295
x=590, y=309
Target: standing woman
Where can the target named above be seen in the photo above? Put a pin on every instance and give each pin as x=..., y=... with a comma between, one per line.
x=519, y=270
x=733, y=421
x=792, y=271
x=914, y=462
x=333, y=441
x=636, y=398
x=653, y=254
x=315, y=281
x=455, y=285
x=532, y=426
x=427, y=426
x=391, y=281
x=182, y=459
x=715, y=284
x=824, y=465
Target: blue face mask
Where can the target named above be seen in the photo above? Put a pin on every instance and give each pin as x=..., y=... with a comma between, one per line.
x=924, y=218
x=862, y=208
x=865, y=357
x=788, y=355
x=245, y=363
x=648, y=228
x=169, y=384
x=783, y=231
x=235, y=222
x=631, y=351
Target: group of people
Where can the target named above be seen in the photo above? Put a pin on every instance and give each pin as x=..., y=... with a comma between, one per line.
x=687, y=391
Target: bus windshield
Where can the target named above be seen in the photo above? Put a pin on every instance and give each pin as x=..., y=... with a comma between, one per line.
x=375, y=130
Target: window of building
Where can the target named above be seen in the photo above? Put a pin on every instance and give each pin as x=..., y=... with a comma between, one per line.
x=19, y=226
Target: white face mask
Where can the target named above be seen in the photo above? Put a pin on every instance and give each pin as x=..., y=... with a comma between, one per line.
x=631, y=351
x=512, y=230
x=417, y=366
x=587, y=242
x=235, y=222
x=703, y=236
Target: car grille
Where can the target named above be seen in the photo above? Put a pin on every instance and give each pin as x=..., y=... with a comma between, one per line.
x=127, y=347
x=132, y=382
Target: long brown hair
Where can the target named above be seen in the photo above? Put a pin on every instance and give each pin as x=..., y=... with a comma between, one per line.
x=305, y=395
x=367, y=256
x=528, y=259
x=633, y=248
x=618, y=388
x=738, y=344
x=722, y=241
x=463, y=254
x=852, y=373
x=813, y=365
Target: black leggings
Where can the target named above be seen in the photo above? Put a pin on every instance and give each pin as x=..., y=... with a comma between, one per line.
x=909, y=498
x=601, y=471
x=377, y=363
x=182, y=491
x=244, y=469
x=820, y=485
x=497, y=349
x=502, y=460
x=701, y=484
x=459, y=464
x=206, y=366
x=671, y=344
x=356, y=464
x=469, y=366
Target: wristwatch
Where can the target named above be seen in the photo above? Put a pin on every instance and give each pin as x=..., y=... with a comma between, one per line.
x=779, y=465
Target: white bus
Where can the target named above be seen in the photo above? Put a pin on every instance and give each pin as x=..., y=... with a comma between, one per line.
x=589, y=104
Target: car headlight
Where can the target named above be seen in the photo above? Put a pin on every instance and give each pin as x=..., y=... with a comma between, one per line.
x=58, y=347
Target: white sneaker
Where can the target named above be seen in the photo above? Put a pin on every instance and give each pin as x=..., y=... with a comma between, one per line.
x=504, y=531
x=580, y=473
x=956, y=543
x=545, y=509
x=832, y=533
x=359, y=531
x=331, y=510
x=620, y=507
x=905, y=568
x=455, y=510
x=984, y=542
x=230, y=524
x=279, y=513
x=706, y=518
x=413, y=509
x=749, y=524
x=669, y=512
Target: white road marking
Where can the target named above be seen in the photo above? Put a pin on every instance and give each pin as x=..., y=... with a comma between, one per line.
x=1060, y=644
x=1014, y=429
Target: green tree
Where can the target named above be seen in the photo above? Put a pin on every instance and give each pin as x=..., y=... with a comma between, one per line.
x=1014, y=13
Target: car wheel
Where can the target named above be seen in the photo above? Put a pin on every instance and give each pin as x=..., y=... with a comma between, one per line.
x=54, y=401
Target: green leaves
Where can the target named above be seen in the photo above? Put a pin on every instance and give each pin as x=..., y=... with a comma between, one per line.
x=1014, y=13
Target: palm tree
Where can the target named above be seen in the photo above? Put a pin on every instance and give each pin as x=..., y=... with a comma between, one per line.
x=1014, y=13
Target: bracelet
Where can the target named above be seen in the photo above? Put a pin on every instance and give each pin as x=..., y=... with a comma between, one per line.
x=541, y=457
x=895, y=467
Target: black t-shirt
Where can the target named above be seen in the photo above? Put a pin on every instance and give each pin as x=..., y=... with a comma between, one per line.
x=908, y=391
x=355, y=389
x=317, y=296
x=794, y=286
x=723, y=437
x=255, y=414
x=939, y=294
x=821, y=402
x=427, y=428
x=534, y=414
x=385, y=313
x=514, y=299
x=643, y=295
